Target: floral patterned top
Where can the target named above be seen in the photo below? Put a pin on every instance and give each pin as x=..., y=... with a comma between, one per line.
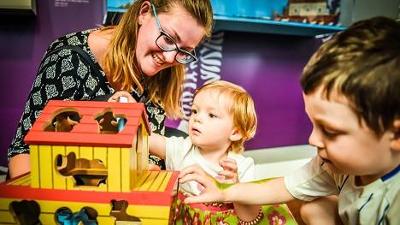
x=65, y=75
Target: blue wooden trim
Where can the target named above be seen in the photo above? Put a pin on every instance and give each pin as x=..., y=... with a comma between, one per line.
x=260, y=25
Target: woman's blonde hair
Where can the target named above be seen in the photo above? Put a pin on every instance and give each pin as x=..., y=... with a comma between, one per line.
x=240, y=105
x=120, y=61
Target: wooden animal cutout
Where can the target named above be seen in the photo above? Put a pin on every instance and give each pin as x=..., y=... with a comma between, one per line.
x=85, y=172
x=64, y=121
x=118, y=210
x=25, y=212
x=110, y=124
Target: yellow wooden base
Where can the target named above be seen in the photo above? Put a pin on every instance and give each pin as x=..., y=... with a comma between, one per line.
x=149, y=214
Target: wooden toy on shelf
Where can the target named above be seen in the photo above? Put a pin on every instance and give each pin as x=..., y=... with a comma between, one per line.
x=87, y=168
x=310, y=11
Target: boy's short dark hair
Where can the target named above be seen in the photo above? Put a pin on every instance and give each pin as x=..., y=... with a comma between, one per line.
x=363, y=64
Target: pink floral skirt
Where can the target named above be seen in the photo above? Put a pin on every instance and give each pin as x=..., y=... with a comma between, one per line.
x=224, y=214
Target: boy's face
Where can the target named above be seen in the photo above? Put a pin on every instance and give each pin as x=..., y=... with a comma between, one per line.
x=211, y=125
x=346, y=145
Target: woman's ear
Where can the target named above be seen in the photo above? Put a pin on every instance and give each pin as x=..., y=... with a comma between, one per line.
x=395, y=140
x=145, y=10
x=236, y=135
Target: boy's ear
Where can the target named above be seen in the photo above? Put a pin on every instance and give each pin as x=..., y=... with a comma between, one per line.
x=236, y=135
x=395, y=141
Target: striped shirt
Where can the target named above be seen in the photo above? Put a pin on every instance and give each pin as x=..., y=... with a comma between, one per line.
x=377, y=203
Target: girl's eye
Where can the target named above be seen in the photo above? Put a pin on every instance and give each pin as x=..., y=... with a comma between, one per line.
x=212, y=115
x=194, y=111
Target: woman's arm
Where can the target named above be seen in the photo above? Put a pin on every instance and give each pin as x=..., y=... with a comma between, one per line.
x=18, y=165
x=71, y=83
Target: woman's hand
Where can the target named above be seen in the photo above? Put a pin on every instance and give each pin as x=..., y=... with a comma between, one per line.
x=229, y=175
x=210, y=193
x=122, y=96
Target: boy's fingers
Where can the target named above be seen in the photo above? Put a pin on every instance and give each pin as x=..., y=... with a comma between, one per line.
x=227, y=177
x=230, y=171
x=228, y=174
x=229, y=164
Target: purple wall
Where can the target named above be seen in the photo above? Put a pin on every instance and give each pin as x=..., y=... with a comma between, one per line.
x=269, y=67
x=23, y=41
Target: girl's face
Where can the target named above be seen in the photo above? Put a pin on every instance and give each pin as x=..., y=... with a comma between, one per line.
x=346, y=144
x=178, y=24
x=211, y=125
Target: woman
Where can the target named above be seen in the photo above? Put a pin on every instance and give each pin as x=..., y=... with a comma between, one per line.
x=143, y=55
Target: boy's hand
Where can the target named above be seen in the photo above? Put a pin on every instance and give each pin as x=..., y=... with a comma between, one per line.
x=229, y=175
x=119, y=95
x=211, y=191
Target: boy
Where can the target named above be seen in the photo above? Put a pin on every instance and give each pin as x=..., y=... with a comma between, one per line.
x=351, y=90
x=222, y=119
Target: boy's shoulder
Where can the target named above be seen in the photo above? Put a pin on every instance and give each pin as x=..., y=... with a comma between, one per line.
x=393, y=213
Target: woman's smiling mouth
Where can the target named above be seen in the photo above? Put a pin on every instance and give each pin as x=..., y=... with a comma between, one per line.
x=157, y=59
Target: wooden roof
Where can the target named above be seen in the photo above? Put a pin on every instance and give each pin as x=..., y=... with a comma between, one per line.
x=87, y=131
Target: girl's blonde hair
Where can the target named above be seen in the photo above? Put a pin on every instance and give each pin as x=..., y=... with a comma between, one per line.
x=120, y=61
x=240, y=106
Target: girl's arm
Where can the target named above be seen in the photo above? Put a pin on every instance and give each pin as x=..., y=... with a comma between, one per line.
x=157, y=145
x=247, y=213
x=230, y=174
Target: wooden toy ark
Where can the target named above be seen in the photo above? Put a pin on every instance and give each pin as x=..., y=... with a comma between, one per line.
x=89, y=168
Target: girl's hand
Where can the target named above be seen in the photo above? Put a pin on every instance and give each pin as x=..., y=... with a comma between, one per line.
x=210, y=193
x=229, y=175
x=122, y=96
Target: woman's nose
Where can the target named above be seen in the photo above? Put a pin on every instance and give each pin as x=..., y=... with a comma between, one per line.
x=169, y=56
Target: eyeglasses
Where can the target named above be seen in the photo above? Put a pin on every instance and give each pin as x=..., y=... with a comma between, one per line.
x=166, y=43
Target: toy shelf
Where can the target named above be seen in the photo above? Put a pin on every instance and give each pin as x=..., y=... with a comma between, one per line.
x=246, y=16
x=260, y=25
